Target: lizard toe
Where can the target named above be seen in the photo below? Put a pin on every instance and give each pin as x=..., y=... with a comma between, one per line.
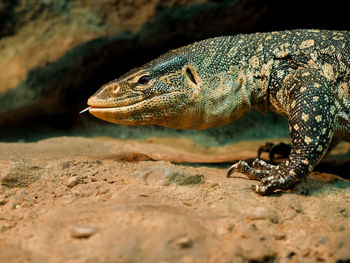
x=273, y=182
x=263, y=189
x=250, y=172
x=240, y=166
x=260, y=164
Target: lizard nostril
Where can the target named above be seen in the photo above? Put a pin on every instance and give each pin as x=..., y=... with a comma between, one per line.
x=115, y=88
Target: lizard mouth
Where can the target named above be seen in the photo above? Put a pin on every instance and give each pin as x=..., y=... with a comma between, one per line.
x=147, y=111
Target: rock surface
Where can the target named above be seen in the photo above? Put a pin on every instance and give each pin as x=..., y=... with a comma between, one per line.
x=105, y=200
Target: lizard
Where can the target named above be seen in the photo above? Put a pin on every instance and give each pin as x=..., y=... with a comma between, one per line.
x=302, y=75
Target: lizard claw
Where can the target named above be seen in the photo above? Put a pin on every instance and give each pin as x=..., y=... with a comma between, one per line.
x=231, y=170
x=240, y=166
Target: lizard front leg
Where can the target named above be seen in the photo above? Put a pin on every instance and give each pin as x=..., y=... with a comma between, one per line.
x=311, y=115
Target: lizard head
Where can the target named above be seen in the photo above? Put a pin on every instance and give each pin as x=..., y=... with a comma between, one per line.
x=162, y=92
x=198, y=86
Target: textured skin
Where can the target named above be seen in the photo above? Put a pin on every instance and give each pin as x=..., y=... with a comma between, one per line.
x=301, y=74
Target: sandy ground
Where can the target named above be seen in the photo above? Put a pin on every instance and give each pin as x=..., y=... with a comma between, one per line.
x=104, y=200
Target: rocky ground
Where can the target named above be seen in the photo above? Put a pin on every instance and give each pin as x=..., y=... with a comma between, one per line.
x=72, y=199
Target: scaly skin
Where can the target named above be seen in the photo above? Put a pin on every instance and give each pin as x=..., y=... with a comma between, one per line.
x=301, y=74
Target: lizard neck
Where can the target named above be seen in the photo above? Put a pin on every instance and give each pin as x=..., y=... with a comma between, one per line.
x=252, y=69
x=239, y=82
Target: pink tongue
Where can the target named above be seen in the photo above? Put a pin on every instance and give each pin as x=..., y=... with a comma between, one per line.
x=86, y=109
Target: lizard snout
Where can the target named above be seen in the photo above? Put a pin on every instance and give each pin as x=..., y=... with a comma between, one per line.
x=104, y=94
x=109, y=89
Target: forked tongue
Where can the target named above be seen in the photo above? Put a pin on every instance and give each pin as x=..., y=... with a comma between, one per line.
x=86, y=109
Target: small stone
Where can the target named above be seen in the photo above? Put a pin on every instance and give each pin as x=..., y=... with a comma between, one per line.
x=185, y=179
x=83, y=231
x=280, y=237
x=186, y=203
x=340, y=227
x=3, y=200
x=103, y=190
x=221, y=230
x=5, y=168
x=82, y=190
x=59, y=192
x=182, y=242
x=343, y=211
x=260, y=212
x=296, y=206
x=66, y=165
x=305, y=252
x=14, y=205
x=323, y=240
x=67, y=199
x=156, y=175
x=9, y=193
x=73, y=181
x=22, y=196
x=230, y=226
x=30, y=215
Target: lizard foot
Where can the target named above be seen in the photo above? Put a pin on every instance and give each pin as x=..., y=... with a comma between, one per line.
x=259, y=170
x=281, y=149
x=271, y=177
x=273, y=182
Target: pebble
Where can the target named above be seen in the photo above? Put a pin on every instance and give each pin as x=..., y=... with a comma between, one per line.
x=261, y=212
x=5, y=168
x=67, y=199
x=82, y=190
x=280, y=236
x=343, y=211
x=101, y=190
x=182, y=242
x=3, y=200
x=296, y=206
x=305, y=252
x=83, y=231
x=31, y=215
x=340, y=227
x=9, y=193
x=157, y=174
x=323, y=240
x=22, y=196
x=221, y=230
x=66, y=165
x=58, y=192
x=186, y=203
x=73, y=181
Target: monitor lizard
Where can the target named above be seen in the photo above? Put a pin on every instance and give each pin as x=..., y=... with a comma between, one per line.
x=300, y=74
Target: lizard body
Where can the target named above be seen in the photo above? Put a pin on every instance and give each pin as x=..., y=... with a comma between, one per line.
x=300, y=74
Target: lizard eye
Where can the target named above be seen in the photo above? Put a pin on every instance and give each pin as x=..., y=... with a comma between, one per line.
x=143, y=80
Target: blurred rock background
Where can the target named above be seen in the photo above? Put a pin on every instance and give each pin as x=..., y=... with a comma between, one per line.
x=54, y=54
